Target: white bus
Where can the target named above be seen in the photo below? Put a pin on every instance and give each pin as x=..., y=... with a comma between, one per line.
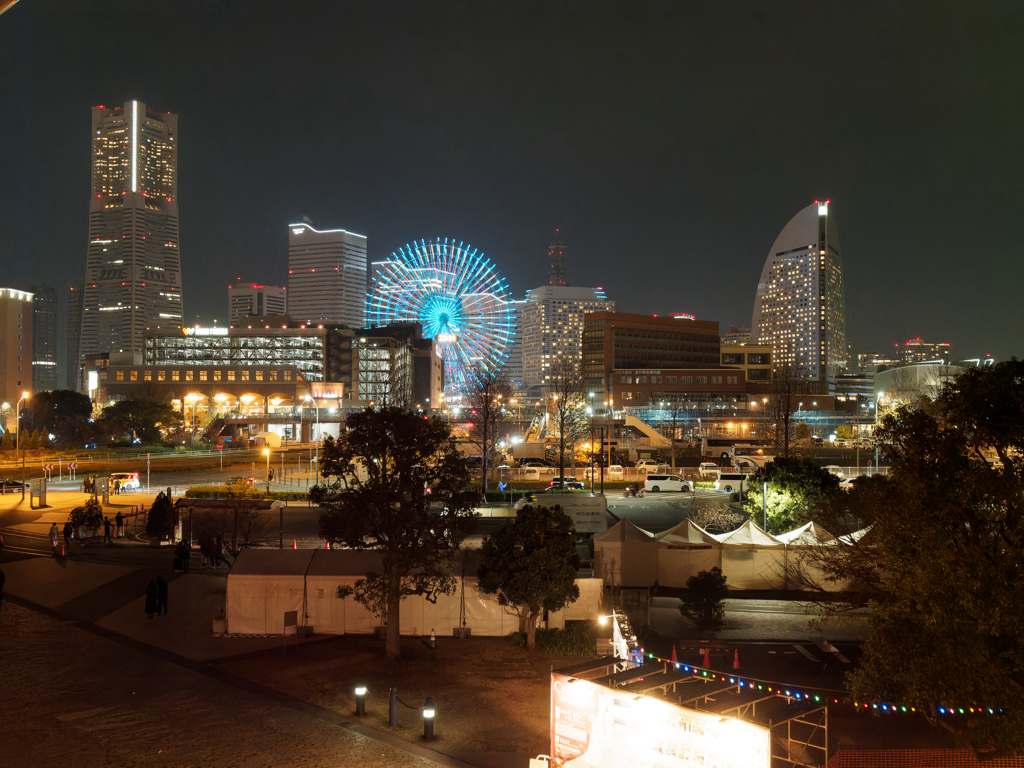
x=730, y=447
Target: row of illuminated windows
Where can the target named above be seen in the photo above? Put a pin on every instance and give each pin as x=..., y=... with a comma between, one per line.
x=189, y=375
x=679, y=379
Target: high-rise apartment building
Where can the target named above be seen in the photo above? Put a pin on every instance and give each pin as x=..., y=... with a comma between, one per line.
x=133, y=266
x=248, y=299
x=326, y=275
x=557, y=252
x=800, y=309
x=72, y=360
x=552, y=327
x=918, y=351
x=15, y=344
x=44, y=336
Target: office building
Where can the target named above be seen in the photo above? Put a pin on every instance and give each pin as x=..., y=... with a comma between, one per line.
x=755, y=360
x=557, y=252
x=614, y=341
x=133, y=264
x=870, y=362
x=73, y=329
x=552, y=327
x=15, y=344
x=44, y=336
x=326, y=275
x=252, y=299
x=918, y=351
x=800, y=309
x=736, y=335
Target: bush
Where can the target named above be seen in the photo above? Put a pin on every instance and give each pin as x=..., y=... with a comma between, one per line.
x=577, y=639
x=160, y=520
x=703, y=602
x=703, y=484
x=90, y=516
x=241, y=492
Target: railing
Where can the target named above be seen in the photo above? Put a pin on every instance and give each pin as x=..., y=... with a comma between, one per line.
x=104, y=458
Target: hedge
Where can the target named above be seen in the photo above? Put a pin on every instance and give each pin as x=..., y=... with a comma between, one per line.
x=226, y=492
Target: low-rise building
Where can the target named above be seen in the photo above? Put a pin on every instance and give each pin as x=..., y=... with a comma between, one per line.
x=16, y=315
x=754, y=359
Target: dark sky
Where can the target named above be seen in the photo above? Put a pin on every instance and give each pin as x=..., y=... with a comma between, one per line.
x=670, y=142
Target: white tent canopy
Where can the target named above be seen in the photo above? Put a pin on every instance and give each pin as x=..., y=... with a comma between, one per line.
x=625, y=555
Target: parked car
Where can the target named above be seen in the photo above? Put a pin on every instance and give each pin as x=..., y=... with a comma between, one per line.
x=127, y=480
x=656, y=483
x=614, y=470
x=709, y=469
x=241, y=481
x=9, y=485
x=649, y=465
x=732, y=481
x=835, y=470
x=566, y=483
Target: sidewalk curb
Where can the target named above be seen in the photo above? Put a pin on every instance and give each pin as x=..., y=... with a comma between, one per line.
x=210, y=669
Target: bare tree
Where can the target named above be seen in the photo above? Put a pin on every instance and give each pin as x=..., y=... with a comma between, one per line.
x=676, y=409
x=566, y=394
x=787, y=387
x=714, y=515
x=486, y=405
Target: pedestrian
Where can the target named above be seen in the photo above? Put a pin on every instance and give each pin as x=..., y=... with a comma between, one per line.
x=119, y=520
x=218, y=552
x=106, y=531
x=2, y=580
x=186, y=556
x=161, y=596
x=54, y=535
x=117, y=487
x=68, y=530
x=151, y=597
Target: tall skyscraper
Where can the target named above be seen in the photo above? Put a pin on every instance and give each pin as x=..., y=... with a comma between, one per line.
x=15, y=344
x=800, y=308
x=44, y=336
x=552, y=327
x=245, y=299
x=326, y=275
x=72, y=360
x=133, y=267
x=557, y=252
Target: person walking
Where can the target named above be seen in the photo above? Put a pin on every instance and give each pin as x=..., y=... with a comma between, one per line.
x=54, y=536
x=68, y=531
x=186, y=556
x=106, y=531
x=161, y=596
x=119, y=520
x=151, y=598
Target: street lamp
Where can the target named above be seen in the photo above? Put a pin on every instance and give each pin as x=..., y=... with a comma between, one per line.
x=590, y=412
x=317, y=406
x=17, y=445
x=191, y=400
x=266, y=452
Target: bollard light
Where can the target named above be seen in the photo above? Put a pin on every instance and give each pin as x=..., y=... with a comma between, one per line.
x=361, y=701
x=428, y=719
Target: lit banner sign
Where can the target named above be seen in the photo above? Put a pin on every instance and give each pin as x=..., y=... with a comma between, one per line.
x=205, y=331
x=597, y=727
x=446, y=338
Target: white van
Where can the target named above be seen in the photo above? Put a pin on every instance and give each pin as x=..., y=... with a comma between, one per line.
x=732, y=481
x=656, y=483
x=128, y=480
x=709, y=469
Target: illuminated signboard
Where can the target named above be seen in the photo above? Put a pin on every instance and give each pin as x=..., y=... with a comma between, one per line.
x=190, y=331
x=597, y=727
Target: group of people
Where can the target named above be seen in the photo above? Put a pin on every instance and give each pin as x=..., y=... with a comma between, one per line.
x=211, y=550
x=156, y=597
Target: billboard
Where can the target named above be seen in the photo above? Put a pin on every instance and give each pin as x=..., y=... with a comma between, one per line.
x=594, y=726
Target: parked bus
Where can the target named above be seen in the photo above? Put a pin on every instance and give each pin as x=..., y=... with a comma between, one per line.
x=728, y=448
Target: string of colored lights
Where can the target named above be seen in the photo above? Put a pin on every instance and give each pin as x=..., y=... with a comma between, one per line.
x=806, y=693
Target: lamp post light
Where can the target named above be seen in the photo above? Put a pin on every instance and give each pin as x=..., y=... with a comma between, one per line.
x=428, y=719
x=17, y=445
x=317, y=406
x=191, y=400
x=266, y=452
x=361, y=701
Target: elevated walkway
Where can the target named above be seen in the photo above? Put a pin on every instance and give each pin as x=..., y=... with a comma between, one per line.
x=658, y=440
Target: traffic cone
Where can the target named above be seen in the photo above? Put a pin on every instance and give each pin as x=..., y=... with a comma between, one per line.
x=327, y=545
x=62, y=551
x=707, y=659
x=736, y=659
x=294, y=545
x=674, y=659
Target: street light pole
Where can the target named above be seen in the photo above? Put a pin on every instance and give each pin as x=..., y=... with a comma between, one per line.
x=317, y=406
x=18, y=444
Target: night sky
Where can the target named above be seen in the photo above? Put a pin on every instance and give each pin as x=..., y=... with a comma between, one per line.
x=670, y=143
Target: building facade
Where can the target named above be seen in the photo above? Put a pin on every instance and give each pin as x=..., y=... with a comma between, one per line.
x=754, y=359
x=73, y=329
x=800, y=306
x=919, y=351
x=557, y=253
x=44, y=336
x=16, y=317
x=614, y=341
x=253, y=299
x=552, y=320
x=326, y=275
x=133, y=264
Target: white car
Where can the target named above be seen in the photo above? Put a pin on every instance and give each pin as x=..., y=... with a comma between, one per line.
x=732, y=481
x=657, y=483
x=709, y=469
x=835, y=470
x=648, y=465
x=128, y=480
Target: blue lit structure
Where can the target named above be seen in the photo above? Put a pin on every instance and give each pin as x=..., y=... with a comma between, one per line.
x=459, y=298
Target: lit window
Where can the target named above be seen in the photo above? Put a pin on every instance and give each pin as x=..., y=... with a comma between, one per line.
x=231, y=375
x=245, y=375
x=202, y=375
x=135, y=376
x=148, y=376
x=120, y=375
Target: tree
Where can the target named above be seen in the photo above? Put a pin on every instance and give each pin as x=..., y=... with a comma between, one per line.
x=7, y=444
x=703, y=602
x=676, y=412
x=50, y=412
x=566, y=392
x=485, y=404
x=787, y=387
x=417, y=533
x=160, y=520
x=531, y=563
x=941, y=564
x=796, y=487
x=145, y=420
x=714, y=515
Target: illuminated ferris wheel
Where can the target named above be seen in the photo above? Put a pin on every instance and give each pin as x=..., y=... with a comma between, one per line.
x=459, y=298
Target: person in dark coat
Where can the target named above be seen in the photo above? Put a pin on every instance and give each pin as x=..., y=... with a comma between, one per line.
x=218, y=552
x=106, y=531
x=161, y=596
x=151, y=598
x=119, y=521
x=186, y=556
x=68, y=531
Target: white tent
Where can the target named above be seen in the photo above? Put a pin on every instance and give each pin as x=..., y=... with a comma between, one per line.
x=626, y=556
x=752, y=559
x=265, y=583
x=685, y=550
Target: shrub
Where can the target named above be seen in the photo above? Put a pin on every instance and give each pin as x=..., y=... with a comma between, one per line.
x=241, y=492
x=160, y=520
x=703, y=601
x=577, y=639
x=90, y=516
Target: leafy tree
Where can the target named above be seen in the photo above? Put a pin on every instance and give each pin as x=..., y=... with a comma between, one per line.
x=417, y=533
x=795, y=488
x=7, y=444
x=91, y=515
x=942, y=564
x=145, y=420
x=160, y=520
x=531, y=563
x=702, y=603
x=33, y=440
x=51, y=411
